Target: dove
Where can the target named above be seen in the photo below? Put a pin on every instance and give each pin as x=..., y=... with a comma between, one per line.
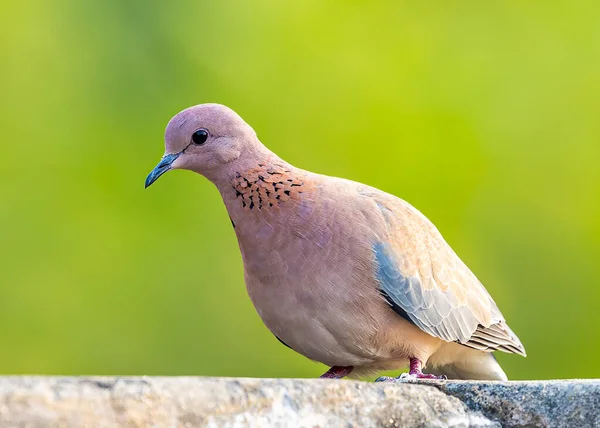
x=341, y=272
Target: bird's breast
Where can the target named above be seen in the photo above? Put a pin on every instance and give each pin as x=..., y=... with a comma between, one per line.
x=312, y=285
x=309, y=269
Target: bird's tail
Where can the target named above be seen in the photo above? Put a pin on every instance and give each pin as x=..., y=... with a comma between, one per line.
x=475, y=365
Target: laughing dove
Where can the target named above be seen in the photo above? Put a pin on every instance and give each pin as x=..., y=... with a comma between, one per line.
x=341, y=272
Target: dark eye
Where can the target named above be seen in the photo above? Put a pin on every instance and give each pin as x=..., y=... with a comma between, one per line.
x=200, y=136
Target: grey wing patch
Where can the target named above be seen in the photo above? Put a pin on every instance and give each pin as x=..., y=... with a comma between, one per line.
x=434, y=311
x=438, y=312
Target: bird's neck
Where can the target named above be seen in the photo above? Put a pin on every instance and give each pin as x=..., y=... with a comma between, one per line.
x=263, y=187
x=266, y=203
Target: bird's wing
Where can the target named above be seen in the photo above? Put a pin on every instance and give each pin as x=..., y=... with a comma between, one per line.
x=425, y=281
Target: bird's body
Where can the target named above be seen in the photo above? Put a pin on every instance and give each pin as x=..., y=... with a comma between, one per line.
x=343, y=273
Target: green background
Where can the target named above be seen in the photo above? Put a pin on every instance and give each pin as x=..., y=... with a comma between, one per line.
x=484, y=115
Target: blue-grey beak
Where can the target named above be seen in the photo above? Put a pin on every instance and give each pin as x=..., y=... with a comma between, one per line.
x=163, y=166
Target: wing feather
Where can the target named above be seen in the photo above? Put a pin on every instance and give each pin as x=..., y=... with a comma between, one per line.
x=424, y=279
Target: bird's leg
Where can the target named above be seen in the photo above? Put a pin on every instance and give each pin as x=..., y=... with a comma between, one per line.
x=337, y=372
x=416, y=370
x=415, y=373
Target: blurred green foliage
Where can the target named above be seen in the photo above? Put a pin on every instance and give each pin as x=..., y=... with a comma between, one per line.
x=484, y=115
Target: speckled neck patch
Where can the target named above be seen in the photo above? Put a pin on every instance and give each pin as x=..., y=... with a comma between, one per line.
x=266, y=186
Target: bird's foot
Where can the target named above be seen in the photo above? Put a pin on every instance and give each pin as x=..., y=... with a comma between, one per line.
x=410, y=377
x=336, y=372
x=421, y=375
x=415, y=374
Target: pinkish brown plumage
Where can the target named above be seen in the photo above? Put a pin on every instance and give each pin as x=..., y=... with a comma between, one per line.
x=341, y=272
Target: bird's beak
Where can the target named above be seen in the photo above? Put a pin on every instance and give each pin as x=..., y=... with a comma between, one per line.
x=163, y=166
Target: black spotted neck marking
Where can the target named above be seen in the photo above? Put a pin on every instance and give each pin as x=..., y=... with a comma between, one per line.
x=267, y=186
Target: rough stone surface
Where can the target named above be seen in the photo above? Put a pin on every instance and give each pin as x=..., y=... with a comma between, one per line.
x=214, y=402
x=567, y=403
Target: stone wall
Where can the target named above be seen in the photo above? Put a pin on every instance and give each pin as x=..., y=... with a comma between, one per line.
x=215, y=402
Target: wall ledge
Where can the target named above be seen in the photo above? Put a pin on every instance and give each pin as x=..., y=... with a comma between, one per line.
x=40, y=401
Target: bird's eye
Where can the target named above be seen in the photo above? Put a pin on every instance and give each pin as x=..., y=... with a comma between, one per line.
x=200, y=136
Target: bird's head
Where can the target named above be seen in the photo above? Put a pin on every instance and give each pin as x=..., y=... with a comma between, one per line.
x=206, y=138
